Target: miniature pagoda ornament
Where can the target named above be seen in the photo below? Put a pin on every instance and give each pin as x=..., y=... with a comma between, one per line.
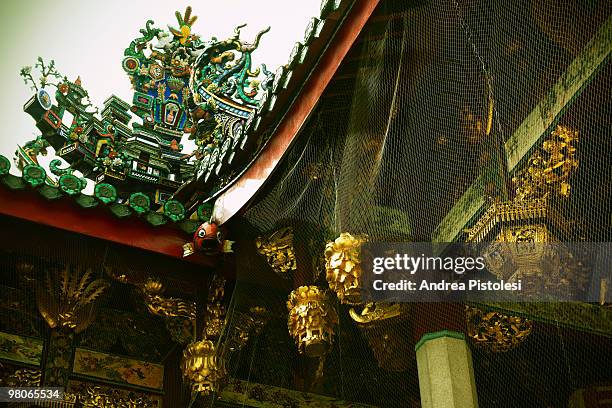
x=161, y=79
x=521, y=239
x=181, y=85
x=142, y=162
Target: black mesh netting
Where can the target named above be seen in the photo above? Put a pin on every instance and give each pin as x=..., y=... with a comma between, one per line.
x=418, y=111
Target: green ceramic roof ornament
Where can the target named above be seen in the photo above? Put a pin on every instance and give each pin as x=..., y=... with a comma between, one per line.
x=174, y=210
x=5, y=165
x=106, y=193
x=34, y=175
x=140, y=203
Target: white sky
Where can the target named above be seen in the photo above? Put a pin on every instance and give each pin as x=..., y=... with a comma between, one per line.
x=87, y=38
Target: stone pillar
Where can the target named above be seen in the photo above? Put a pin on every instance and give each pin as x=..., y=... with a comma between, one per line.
x=446, y=375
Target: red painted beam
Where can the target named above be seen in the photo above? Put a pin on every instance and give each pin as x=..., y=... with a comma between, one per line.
x=97, y=222
x=244, y=189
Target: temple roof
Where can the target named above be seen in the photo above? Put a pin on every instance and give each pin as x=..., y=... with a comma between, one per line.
x=31, y=198
x=287, y=103
x=295, y=86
